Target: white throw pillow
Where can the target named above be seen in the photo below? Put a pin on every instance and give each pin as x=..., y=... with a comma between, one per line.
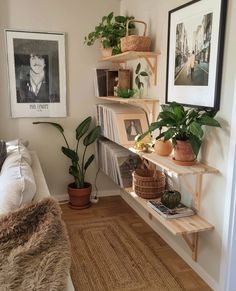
x=16, y=146
x=17, y=184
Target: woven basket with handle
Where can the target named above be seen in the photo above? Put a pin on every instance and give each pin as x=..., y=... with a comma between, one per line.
x=135, y=42
x=148, y=184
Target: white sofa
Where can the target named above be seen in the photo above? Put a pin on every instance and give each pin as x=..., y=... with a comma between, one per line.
x=42, y=191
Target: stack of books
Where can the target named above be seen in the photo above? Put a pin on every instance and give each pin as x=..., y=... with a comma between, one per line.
x=180, y=211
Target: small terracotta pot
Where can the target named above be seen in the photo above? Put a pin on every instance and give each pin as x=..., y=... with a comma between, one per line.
x=163, y=148
x=79, y=198
x=183, y=152
x=106, y=52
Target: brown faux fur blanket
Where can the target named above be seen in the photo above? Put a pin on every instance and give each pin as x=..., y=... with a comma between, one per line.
x=34, y=249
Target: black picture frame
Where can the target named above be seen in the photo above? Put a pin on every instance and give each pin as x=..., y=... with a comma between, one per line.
x=195, y=57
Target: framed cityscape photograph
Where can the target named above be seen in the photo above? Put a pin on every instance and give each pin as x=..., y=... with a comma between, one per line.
x=195, y=53
x=37, y=76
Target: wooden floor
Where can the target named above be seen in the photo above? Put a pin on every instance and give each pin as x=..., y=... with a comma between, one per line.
x=115, y=206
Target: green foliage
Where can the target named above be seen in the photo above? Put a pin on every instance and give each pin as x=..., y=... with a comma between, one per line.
x=182, y=124
x=125, y=93
x=79, y=164
x=109, y=31
x=139, y=75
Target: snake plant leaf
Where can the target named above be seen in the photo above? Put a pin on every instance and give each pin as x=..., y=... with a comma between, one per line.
x=92, y=136
x=195, y=129
x=89, y=161
x=138, y=68
x=195, y=143
x=70, y=154
x=207, y=120
x=56, y=125
x=83, y=127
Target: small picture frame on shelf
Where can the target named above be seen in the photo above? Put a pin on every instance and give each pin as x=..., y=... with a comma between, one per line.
x=129, y=126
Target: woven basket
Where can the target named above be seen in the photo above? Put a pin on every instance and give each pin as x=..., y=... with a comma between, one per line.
x=135, y=42
x=148, y=184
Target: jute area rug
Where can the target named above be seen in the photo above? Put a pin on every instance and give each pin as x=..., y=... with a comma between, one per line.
x=107, y=255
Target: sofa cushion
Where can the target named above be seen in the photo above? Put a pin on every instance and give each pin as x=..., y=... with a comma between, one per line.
x=16, y=146
x=3, y=152
x=17, y=183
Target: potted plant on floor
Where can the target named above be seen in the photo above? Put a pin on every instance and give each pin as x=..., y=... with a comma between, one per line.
x=109, y=31
x=184, y=127
x=79, y=191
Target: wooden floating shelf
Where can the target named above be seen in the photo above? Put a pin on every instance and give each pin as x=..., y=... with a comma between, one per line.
x=148, y=104
x=121, y=59
x=127, y=56
x=129, y=100
x=167, y=164
x=177, y=226
x=187, y=227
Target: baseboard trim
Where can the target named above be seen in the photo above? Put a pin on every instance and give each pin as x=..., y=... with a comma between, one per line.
x=105, y=193
x=185, y=256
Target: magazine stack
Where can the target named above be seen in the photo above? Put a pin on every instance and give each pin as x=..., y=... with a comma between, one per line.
x=121, y=123
x=117, y=162
x=180, y=211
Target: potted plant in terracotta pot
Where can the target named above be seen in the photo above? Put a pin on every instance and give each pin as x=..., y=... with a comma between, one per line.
x=184, y=127
x=80, y=190
x=109, y=32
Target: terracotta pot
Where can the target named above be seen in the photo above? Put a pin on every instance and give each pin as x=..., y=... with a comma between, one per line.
x=79, y=198
x=183, y=152
x=106, y=52
x=163, y=148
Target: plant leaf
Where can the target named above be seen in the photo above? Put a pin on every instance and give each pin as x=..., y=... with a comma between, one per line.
x=92, y=136
x=169, y=134
x=56, y=125
x=138, y=68
x=74, y=171
x=207, y=120
x=144, y=74
x=137, y=80
x=195, y=129
x=70, y=154
x=195, y=143
x=89, y=161
x=83, y=128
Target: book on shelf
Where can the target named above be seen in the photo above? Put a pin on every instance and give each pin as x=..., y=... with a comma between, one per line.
x=180, y=211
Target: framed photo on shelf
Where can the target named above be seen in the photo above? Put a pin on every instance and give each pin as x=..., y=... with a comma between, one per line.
x=195, y=53
x=129, y=126
x=37, y=75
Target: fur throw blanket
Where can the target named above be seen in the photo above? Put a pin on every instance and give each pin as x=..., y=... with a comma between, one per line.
x=34, y=249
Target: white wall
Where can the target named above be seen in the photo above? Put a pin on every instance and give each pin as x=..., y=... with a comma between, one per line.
x=216, y=146
x=76, y=18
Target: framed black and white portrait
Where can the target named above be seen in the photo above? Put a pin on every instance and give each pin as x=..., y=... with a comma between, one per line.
x=37, y=77
x=195, y=53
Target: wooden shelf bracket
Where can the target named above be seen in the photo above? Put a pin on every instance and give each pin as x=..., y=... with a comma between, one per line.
x=197, y=192
x=192, y=243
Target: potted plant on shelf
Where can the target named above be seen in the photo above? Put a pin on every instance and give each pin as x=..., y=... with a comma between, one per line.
x=80, y=190
x=184, y=127
x=109, y=31
x=139, y=75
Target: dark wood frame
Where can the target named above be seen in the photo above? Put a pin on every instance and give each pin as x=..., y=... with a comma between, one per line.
x=220, y=53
